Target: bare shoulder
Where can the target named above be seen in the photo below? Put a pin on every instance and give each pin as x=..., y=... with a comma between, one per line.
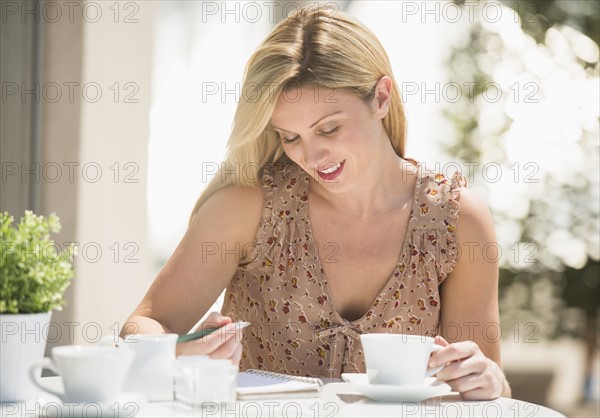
x=238, y=196
x=474, y=218
x=234, y=208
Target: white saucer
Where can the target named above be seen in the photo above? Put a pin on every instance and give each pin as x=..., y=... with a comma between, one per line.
x=397, y=393
x=126, y=404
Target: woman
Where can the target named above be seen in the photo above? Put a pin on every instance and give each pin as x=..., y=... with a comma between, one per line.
x=320, y=229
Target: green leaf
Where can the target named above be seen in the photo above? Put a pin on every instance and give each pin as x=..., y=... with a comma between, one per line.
x=34, y=272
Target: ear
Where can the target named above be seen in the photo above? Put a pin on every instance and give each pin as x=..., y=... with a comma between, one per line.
x=382, y=97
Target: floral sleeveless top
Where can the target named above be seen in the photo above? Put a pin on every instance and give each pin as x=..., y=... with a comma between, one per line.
x=281, y=289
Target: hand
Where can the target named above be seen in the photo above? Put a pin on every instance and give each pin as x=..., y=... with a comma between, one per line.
x=469, y=371
x=224, y=343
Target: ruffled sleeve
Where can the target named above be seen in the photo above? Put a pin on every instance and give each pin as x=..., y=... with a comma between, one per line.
x=450, y=251
x=268, y=186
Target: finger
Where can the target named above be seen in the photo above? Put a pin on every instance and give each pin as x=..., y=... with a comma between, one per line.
x=225, y=350
x=467, y=383
x=215, y=320
x=231, y=347
x=474, y=388
x=441, y=341
x=211, y=342
x=237, y=355
x=458, y=369
x=454, y=352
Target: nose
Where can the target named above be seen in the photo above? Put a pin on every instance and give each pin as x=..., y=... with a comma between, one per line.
x=316, y=154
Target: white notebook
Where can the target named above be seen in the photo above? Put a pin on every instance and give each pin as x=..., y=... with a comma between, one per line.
x=259, y=384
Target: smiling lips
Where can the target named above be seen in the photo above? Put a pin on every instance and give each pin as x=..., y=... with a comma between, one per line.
x=332, y=172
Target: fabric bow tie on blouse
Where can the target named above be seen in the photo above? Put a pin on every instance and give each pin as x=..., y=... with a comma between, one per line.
x=345, y=348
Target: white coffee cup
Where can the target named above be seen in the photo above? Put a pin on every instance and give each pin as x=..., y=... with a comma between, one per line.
x=89, y=373
x=200, y=379
x=152, y=369
x=398, y=359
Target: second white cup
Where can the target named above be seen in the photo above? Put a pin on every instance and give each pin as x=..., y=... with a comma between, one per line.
x=398, y=359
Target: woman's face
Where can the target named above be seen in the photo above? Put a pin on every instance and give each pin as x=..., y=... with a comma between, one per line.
x=332, y=134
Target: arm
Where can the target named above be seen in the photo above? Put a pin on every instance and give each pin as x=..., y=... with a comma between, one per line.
x=201, y=266
x=470, y=302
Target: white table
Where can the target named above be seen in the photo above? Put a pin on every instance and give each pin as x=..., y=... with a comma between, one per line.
x=335, y=400
x=341, y=400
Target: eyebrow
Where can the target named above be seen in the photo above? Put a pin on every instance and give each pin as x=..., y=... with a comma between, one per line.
x=326, y=116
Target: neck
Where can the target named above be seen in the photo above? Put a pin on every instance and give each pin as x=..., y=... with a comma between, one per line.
x=387, y=185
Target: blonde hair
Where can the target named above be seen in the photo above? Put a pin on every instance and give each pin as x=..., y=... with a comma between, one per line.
x=313, y=46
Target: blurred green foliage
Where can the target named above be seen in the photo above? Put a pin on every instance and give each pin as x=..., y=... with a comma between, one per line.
x=546, y=291
x=537, y=16
x=33, y=274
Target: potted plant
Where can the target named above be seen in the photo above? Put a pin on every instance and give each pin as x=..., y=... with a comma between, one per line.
x=33, y=280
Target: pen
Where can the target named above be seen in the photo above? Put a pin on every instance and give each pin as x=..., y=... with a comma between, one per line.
x=207, y=331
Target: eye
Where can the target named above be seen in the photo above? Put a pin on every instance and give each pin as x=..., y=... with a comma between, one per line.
x=289, y=141
x=295, y=139
x=331, y=132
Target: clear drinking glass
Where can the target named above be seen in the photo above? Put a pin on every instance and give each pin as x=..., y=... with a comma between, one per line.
x=200, y=379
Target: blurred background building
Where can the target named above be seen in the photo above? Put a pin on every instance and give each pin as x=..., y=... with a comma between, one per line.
x=115, y=115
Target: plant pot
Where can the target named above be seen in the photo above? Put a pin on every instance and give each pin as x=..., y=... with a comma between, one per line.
x=23, y=343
